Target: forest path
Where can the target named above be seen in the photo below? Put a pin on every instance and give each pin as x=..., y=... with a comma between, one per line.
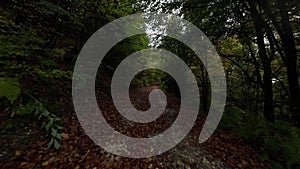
x=222, y=150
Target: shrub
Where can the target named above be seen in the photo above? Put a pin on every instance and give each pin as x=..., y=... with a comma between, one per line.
x=11, y=92
x=280, y=141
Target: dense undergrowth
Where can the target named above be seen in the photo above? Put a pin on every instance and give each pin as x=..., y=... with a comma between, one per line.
x=279, y=142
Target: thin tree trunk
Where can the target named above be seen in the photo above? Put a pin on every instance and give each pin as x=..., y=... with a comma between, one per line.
x=285, y=32
x=290, y=51
x=266, y=62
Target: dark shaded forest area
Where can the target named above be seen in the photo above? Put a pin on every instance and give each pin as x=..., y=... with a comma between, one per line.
x=258, y=42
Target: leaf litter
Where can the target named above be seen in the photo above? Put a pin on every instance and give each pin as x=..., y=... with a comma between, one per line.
x=223, y=150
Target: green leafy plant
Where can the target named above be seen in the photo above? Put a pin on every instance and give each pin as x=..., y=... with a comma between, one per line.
x=163, y=85
x=280, y=141
x=49, y=121
x=10, y=89
x=232, y=117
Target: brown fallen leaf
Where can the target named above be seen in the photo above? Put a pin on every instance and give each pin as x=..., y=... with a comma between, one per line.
x=45, y=163
x=25, y=165
x=41, y=143
x=65, y=135
x=109, y=164
x=18, y=153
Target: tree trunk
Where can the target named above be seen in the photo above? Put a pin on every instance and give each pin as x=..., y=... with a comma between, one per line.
x=290, y=51
x=285, y=31
x=266, y=62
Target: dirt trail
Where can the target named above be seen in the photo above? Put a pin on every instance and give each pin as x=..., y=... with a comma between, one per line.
x=222, y=150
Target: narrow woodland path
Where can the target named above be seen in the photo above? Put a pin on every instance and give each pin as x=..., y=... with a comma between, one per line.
x=222, y=150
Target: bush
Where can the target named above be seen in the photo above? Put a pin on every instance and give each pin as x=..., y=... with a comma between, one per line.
x=280, y=141
x=232, y=117
x=10, y=95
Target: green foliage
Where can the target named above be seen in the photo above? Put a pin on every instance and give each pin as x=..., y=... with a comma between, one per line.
x=9, y=88
x=283, y=140
x=230, y=46
x=54, y=74
x=38, y=43
x=232, y=117
x=163, y=85
x=145, y=78
x=49, y=121
x=280, y=141
x=154, y=77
